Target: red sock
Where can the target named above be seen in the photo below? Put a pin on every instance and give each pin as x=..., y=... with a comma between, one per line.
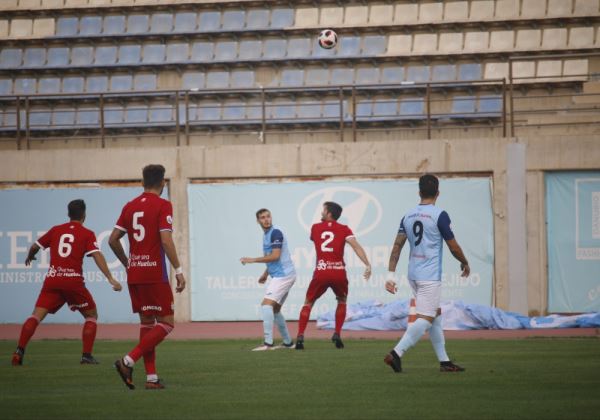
x=304, y=315
x=151, y=339
x=27, y=330
x=88, y=335
x=340, y=317
x=149, y=357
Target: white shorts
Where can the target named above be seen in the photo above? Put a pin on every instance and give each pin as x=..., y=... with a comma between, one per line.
x=279, y=287
x=427, y=296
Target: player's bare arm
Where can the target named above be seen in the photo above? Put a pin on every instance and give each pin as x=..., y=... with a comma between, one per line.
x=31, y=255
x=166, y=237
x=101, y=263
x=390, y=284
x=115, y=244
x=457, y=252
x=360, y=252
x=273, y=256
x=263, y=277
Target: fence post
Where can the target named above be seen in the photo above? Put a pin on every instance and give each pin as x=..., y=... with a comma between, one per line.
x=503, y=107
x=511, y=99
x=354, y=114
x=102, y=140
x=27, y=132
x=18, y=127
x=263, y=116
x=341, y=114
x=187, y=118
x=428, y=105
x=177, y=121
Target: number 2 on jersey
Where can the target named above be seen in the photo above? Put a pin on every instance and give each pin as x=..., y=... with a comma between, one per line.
x=139, y=231
x=327, y=238
x=418, y=231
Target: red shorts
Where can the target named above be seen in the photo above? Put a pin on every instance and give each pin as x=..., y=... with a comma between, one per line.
x=76, y=295
x=317, y=287
x=152, y=299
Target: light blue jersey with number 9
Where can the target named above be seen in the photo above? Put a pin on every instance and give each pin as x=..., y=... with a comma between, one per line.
x=426, y=226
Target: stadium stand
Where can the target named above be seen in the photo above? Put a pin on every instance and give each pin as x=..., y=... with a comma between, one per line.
x=91, y=67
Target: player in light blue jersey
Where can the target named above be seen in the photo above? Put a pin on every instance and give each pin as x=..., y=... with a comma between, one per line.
x=283, y=275
x=426, y=227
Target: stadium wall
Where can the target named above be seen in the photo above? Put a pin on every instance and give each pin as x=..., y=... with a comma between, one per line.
x=310, y=160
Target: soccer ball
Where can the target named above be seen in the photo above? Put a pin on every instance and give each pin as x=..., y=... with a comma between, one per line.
x=328, y=39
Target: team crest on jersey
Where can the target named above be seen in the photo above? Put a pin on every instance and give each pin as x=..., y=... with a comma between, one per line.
x=169, y=220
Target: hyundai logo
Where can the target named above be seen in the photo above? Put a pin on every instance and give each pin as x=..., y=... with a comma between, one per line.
x=362, y=212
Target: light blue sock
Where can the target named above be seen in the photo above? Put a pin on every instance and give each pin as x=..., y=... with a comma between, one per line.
x=282, y=326
x=436, y=335
x=267, y=315
x=412, y=335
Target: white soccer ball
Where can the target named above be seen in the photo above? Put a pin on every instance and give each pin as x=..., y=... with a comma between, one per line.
x=328, y=39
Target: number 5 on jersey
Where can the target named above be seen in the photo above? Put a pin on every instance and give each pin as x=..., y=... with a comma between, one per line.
x=139, y=231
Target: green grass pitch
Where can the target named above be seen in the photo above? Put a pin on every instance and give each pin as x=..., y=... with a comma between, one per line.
x=223, y=379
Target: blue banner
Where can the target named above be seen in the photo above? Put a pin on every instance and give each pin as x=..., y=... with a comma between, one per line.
x=25, y=214
x=223, y=229
x=573, y=220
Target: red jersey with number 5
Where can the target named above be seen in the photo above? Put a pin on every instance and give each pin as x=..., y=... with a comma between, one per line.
x=143, y=219
x=330, y=239
x=68, y=244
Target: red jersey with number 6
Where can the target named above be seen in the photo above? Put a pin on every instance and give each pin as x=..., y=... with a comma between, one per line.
x=330, y=239
x=143, y=219
x=68, y=244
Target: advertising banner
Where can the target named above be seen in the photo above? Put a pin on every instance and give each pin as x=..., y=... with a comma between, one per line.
x=223, y=229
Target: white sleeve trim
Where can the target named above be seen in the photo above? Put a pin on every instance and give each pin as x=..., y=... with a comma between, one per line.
x=166, y=230
x=40, y=245
x=122, y=229
x=87, y=254
x=350, y=236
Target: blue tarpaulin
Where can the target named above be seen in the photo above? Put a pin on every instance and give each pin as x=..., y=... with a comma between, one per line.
x=457, y=315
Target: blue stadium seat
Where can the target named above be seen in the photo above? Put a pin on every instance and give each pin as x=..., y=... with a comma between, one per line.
x=463, y=107
x=72, y=84
x=349, y=46
x=34, y=57
x=412, y=109
x=11, y=58
x=250, y=49
x=331, y=110
x=130, y=54
x=374, y=44
x=342, y=76
x=392, y=75
x=470, y=71
x=299, y=47
x=317, y=76
x=308, y=110
x=275, y=48
x=106, y=55
x=225, y=50
x=6, y=86
x=154, y=53
x=185, y=22
x=82, y=56
x=96, y=84
x=113, y=115
x=418, y=74
x=90, y=25
x=208, y=112
x=364, y=109
x=210, y=21
x=63, y=117
x=317, y=51
x=161, y=23
x=367, y=76
x=254, y=111
x=234, y=111
x=25, y=86
x=39, y=118
x=234, y=20
x=384, y=108
x=257, y=19
x=137, y=24
x=281, y=111
x=67, y=26
x=292, y=77
x=88, y=117
x=217, y=79
x=242, y=78
x=58, y=57
x=161, y=113
x=282, y=18
x=114, y=25
x=177, y=52
x=443, y=73
x=49, y=84
x=193, y=80
x=121, y=82
x=490, y=106
x=144, y=81
x=136, y=114
x=202, y=51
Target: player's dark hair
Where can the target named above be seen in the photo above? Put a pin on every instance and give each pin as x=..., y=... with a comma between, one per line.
x=334, y=209
x=76, y=209
x=259, y=212
x=153, y=175
x=428, y=186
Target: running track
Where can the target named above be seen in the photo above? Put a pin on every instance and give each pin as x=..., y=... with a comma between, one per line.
x=233, y=330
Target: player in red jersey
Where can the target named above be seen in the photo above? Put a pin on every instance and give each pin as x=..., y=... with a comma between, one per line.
x=147, y=221
x=330, y=238
x=68, y=244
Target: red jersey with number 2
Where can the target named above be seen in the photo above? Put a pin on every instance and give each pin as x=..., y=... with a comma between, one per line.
x=68, y=244
x=143, y=219
x=330, y=239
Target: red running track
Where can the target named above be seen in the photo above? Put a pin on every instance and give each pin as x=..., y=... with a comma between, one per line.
x=253, y=329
